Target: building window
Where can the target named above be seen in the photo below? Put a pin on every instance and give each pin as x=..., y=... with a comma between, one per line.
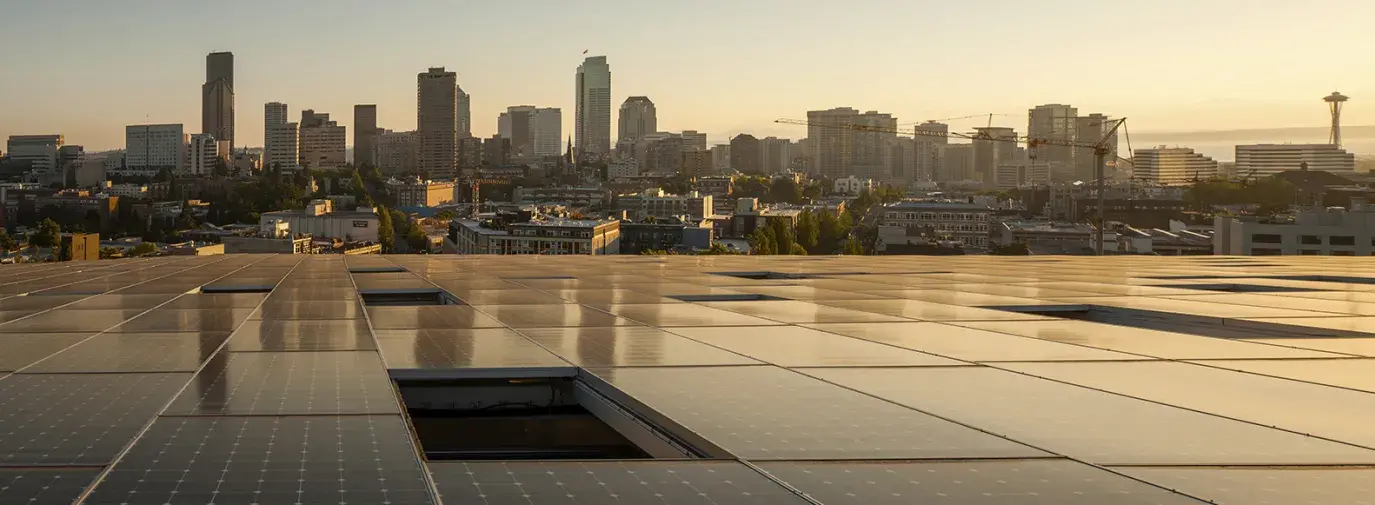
x=1310, y=252
x=1310, y=239
x=1266, y=238
x=1341, y=240
x=1265, y=252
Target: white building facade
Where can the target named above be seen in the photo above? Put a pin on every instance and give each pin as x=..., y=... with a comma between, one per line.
x=1270, y=159
x=1335, y=232
x=202, y=152
x=1172, y=166
x=148, y=149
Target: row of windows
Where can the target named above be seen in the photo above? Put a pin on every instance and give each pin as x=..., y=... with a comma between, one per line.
x=961, y=227
x=932, y=216
x=1273, y=238
x=1259, y=251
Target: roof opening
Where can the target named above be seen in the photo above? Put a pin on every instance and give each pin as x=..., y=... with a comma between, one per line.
x=742, y=297
x=223, y=289
x=532, y=418
x=407, y=297
x=762, y=275
x=377, y=270
x=1239, y=288
x=1178, y=323
x=542, y=278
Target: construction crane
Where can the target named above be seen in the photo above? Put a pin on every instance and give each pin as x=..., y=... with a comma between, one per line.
x=1101, y=150
x=989, y=116
x=476, y=182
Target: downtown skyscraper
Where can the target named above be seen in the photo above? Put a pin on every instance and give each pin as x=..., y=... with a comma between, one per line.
x=592, y=123
x=217, y=98
x=638, y=118
x=437, y=122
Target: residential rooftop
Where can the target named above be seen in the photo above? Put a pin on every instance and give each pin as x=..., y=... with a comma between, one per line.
x=427, y=379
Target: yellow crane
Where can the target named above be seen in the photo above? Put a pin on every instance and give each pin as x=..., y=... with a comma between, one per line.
x=1101, y=150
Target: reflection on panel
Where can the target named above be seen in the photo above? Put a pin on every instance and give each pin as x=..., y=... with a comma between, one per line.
x=341, y=335
x=929, y=311
x=630, y=346
x=795, y=346
x=44, y=486
x=1266, y=486
x=207, y=320
x=1089, y=425
x=572, y=482
x=684, y=314
x=431, y=317
x=551, y=316
x=282, y=383
x=19, y=350
x=969, y=344
x=134, y=352
x=728, y=405
x=801, y=312
x=77, y=419
x=461, y=348
x=325, y=309
x=1268, y=401
x=69, y=321
x=967, y=483
x=303, y=459
x=1156, y=343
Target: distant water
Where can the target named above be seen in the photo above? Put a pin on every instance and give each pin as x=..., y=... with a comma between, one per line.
x=1226, y=150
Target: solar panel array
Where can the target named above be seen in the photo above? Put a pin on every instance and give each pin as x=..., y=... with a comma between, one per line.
x=818, y=380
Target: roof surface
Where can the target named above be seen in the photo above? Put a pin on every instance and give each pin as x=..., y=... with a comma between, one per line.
x=869, y=380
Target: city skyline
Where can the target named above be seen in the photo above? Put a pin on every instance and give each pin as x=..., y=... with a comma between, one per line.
x=699, y=88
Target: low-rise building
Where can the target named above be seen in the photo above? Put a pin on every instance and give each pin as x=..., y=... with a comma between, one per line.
x=1315, y=232
x=82, y=205
x=319, y=219
x=1020, y=175
x=419, y=192
x=571, y=196
x=667, y=235
x=717, y=186
x=962, y=222
x=80, y=246
x=126, y=190
x=1263, y=160
x=851, y=185
x=750, y=216
x=1048, y=237
x=540, y=235
x=660, y=205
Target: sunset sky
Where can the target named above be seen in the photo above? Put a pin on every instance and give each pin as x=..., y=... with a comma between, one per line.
x=88, y=68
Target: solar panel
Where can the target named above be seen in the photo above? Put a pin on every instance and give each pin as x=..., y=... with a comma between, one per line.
x=462, y=348
x=326, y=309
x=551, y=316
x=764, y=412
x=44, y=486
x=684, y=314
x=268, y=460
x=1266, y=486
x=23, y=349
x=134, y=352
x=667, y=483
x=282, y=383
x=969, y=344
x=328, y=335
x=1044, y=482
x=795, y=346
x=630, y=346
x=77, y=419
x=205, y=320
x=69, y=321
x=429, y=317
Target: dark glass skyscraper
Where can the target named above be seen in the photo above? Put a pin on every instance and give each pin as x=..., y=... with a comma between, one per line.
x=217, y=97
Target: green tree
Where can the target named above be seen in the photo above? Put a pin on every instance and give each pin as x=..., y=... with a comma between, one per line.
x=445, y=215
x=416, y=240
x=762, y=241
x=750, y=187
x=719, y=249
x=145, y=248
x=7, y=242
x=783, y=237
x=386, y=235
x=784, y=190
x=831, y=230
x=48, y=234
x=808, y=232
x=852, y=247
x=798, y=250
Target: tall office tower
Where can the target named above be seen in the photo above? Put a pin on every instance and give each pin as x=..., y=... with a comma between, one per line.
x=902, y=159
x=831, y=139
x=1090, y=129
x=148, y=149
x=957, y=163
x=1171, y=166
x=773, y=155
x=465, y=114
x=870, y=148
x=469, y=153
x=38, y=151
x=930, y=150
x=592, y=122
x=274, y=113
x=744, y=154
x=1054, y=122
x=638, y=118
x=720, y=157
x=496, y=151
x=217, y=97
x=694, y=141
x=547, y=127
x=516, y=124
x=321, y=142
x=364, y=135
x=397, y=152
x=989, y=154
x=70, y=160
x=202, y=152
x=282, y=147
x=437, y=122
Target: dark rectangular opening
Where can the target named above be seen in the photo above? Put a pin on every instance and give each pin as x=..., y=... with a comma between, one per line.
x=745, y=297
x=1324, y=278
x=377, y=270
x=762, y=275
x=407, y=297
x=1178, y=323
x=1239, y=288
x=247, y=288
x=535, y=418
x=543, y=278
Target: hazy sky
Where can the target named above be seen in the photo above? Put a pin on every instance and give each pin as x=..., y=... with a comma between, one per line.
x=86, y=68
